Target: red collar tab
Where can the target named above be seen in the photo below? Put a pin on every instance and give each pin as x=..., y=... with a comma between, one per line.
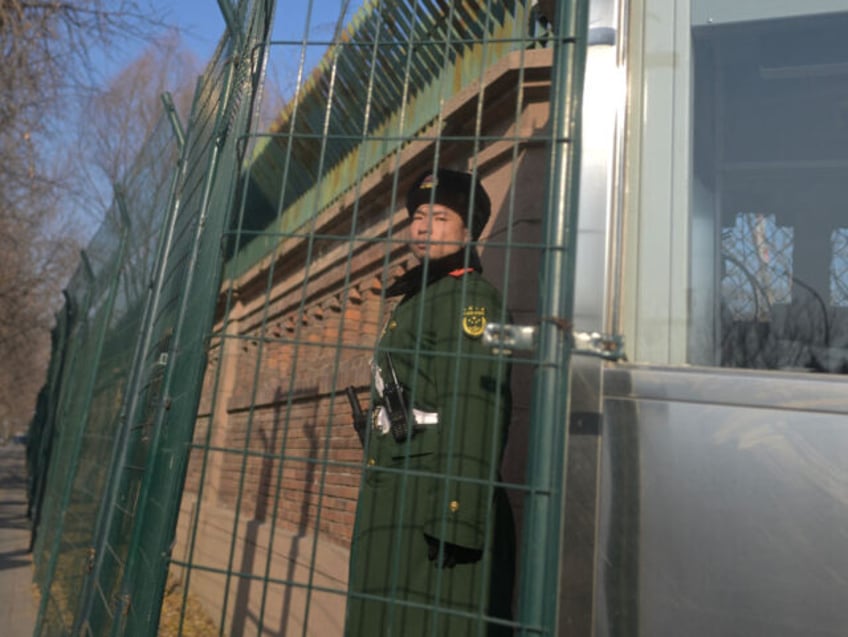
x=460, y=271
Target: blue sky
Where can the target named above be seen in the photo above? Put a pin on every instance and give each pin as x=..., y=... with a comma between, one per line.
x=202, y=25
x=200, y=21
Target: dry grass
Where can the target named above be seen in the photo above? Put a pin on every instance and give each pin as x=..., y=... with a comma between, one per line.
x=195, y=621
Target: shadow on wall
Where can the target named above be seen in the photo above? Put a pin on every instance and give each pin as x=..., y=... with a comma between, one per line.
x=268, y=498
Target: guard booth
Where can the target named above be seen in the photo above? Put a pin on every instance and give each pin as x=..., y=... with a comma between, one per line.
x=706, y=482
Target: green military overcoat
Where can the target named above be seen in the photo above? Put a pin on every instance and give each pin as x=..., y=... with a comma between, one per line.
x=438, y=485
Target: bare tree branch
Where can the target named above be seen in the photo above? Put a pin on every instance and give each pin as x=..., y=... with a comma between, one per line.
x=50, y=56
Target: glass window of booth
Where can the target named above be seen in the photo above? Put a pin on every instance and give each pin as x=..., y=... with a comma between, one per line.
x=754, y=116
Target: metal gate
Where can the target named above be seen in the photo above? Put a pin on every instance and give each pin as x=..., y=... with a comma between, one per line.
x=205, y=435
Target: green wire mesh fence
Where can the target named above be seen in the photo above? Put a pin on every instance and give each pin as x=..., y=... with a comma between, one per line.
x=194, y=435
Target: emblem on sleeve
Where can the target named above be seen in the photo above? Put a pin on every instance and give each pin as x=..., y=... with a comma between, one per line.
x=474, y=321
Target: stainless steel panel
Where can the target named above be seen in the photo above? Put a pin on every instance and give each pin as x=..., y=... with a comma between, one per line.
x=778, y=390
x=720, y=11
x=602, y=13
x=581, y=490
x=602, y=99
x=723, y=506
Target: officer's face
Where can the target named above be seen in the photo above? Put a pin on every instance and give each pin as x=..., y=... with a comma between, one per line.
x=436, y=231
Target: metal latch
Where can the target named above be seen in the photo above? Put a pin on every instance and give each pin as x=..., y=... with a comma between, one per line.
x=524, y=338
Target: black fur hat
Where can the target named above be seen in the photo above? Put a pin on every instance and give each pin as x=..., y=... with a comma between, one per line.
x=453, y=189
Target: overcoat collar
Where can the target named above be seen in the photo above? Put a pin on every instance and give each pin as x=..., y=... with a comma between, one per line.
x=413, y=281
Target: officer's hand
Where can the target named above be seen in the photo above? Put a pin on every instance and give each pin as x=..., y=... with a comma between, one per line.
x=452, y=554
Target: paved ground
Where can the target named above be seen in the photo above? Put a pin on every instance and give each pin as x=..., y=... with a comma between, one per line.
x=18, y=609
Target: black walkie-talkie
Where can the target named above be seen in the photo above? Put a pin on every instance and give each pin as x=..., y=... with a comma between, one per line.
x=360, y=420
x=396, y=404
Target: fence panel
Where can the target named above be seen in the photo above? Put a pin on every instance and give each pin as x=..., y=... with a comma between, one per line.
x=162, y=423
x=91, y=388
x=269, y=511
x=149, y=192
x=200, y=399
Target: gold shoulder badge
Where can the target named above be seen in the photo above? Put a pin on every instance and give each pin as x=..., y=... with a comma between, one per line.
x=474, y=321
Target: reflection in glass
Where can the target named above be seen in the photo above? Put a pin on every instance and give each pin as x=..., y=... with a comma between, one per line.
x=757, y=261
x=839, y=269
x=769, y=254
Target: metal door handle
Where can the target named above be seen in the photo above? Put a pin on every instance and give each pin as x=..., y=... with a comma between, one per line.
x=508, y=338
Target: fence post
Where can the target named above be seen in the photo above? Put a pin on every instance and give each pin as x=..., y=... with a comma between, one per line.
x=549, y=408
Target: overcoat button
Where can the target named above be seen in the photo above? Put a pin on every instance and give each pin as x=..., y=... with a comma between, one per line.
x=454, y=506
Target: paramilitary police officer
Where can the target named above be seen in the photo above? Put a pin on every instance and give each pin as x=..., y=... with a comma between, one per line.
x=433, y=545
